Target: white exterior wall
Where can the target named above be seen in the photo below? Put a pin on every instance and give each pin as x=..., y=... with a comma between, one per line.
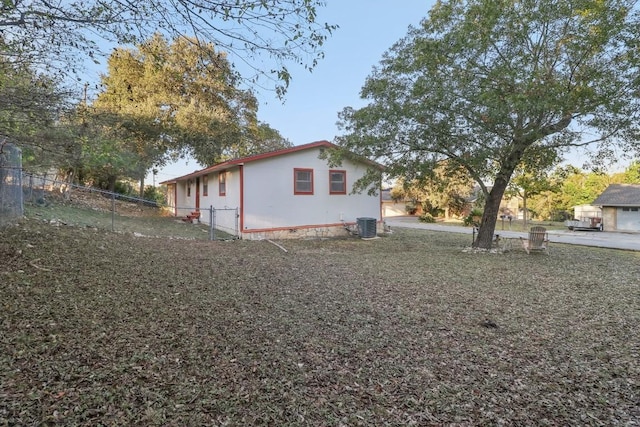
x=586, y=211
x=270, y=202
x=184, y=204
x=390, y=209
x=225, y=219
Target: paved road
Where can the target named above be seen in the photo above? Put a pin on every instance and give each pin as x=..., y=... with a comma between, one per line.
x=602, y=239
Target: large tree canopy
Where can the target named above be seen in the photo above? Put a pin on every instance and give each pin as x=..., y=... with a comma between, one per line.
x=490, y=85
x=32, y=104
x=445, y=190
x=52, y=33
x=176, y=97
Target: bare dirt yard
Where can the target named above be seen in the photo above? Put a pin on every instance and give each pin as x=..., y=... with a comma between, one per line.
x=102, y=328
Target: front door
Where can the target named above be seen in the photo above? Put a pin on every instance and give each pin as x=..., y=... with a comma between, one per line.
x=198, y=194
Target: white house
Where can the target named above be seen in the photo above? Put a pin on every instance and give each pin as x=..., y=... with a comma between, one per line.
x=288, y=193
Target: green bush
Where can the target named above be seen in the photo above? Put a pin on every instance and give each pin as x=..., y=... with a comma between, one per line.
x=411, y=208
x=473, y=218
x=426, y=217
x=154, y=194
x=124, y=188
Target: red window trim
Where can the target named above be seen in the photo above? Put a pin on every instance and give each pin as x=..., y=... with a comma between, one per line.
x=295, y=180
x=205, y=185
x=222, y=183
x=344, y=181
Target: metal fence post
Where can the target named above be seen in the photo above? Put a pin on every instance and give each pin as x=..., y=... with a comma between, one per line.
x=30, y=187
x=113, y=212
x=213, y=223
x=237, y=223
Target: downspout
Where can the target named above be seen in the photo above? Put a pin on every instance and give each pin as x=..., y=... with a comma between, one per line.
x=380, y=203
x=175, y=199
x=241, y=170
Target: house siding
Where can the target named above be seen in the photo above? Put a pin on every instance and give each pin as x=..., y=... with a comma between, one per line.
x=262, y=188
x=609, y=219
x=391, y=209
x=225, y=219
x=270, y=202
x=184, y=204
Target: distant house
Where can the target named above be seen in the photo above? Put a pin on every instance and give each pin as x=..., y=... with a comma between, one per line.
x=620, y=205
x=289, y=193
x=398, y=207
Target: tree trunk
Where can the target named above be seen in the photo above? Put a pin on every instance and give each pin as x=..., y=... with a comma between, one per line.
x=492, y=205
x=525, y=211
x=141, y=187
x=111, y=180
x=66, y=188
x=490, y=215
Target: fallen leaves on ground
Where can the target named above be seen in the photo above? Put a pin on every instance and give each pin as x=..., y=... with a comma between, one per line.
x=110, y=329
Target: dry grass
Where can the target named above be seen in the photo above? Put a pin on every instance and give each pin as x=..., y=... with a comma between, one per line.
x=110, y=329
x=96, y=211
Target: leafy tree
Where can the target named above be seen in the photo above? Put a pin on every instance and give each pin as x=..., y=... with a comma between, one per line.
x=93, y=150
x=532, y=180
x=257, y=138
x=443, y=190
x=486, y=84
x=32, y=107
x=164, y=96
x=104, y=161
x=527, y=185
x=576, y=187
x=632, y=174
x=51, y=34
x=168, y=99
x=31, y=104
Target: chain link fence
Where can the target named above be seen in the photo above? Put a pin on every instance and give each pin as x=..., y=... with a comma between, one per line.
x=54, y=200
x=224, y=223
x=11, y=200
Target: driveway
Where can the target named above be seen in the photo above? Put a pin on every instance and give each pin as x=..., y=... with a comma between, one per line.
x=601, y=239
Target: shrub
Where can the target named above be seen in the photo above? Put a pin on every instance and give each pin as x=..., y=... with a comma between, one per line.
x=473, y=218
x=125, y=188
x=411, y=208
x=154, y=194
x=426, y=217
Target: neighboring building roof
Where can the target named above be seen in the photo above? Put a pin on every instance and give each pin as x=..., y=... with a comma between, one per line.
x=242, y=160
x=619, y=195
x=385, y=194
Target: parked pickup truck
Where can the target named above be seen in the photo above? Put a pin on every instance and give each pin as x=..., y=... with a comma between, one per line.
x=585, y=223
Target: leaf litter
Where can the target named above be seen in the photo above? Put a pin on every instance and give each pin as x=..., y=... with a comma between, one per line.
x=112, y=329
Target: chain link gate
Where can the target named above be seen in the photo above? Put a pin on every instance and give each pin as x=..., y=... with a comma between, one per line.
x=224, y=223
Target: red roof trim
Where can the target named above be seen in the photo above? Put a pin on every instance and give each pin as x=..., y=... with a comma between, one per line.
x=242, y=160
x=325, y=144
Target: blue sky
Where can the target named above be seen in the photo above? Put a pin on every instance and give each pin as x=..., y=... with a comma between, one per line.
x=309, y=113
x=368, y=28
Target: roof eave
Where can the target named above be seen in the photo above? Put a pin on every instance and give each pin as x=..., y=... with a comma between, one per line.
x=242, y=160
